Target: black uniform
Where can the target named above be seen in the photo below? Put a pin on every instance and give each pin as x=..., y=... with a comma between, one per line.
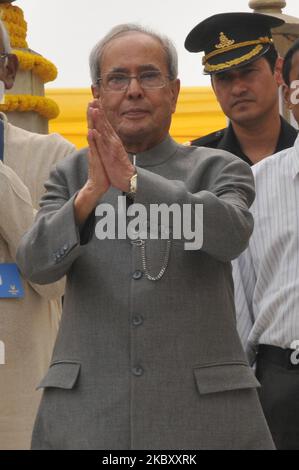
x=226, y=139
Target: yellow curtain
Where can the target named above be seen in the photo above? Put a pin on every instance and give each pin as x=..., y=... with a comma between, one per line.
x=198, y=114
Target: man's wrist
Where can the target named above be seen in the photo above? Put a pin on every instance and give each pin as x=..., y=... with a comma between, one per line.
x=84, y=204
x=132, y=186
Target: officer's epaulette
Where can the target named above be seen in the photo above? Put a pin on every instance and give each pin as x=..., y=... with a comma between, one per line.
x=210, y=140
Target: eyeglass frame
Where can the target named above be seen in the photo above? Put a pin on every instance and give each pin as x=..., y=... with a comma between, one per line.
x=137, y=77
x=4, y=55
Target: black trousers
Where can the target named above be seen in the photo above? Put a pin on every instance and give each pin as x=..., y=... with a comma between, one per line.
x=279, y=394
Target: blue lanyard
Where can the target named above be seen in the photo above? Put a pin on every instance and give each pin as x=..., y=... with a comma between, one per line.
x=1, y=140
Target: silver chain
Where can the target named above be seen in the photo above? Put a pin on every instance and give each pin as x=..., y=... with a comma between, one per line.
x=141, y=243
x=159, y=276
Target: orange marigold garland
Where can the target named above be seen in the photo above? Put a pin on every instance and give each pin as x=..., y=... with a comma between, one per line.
x=16, y=26
x=40, y=66
x=25, y=103
x=13, y=18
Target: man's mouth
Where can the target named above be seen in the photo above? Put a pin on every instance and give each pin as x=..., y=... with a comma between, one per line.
x=135, y=112
x=240, y=102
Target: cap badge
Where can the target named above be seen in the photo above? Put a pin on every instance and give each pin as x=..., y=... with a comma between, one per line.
x=224, y=42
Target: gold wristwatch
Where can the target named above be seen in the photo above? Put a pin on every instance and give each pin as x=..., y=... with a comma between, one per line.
x=133, y=186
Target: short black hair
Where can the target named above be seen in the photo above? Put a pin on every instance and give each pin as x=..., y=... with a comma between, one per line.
x=287, y=64
x=271, y=57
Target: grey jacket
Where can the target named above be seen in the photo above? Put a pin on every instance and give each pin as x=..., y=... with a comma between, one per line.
x=141, y=364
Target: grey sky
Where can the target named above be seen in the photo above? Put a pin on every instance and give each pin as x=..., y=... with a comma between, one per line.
x=64, y=31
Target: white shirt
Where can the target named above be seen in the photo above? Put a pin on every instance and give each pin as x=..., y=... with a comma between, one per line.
x=266, y=275
x=28, y=326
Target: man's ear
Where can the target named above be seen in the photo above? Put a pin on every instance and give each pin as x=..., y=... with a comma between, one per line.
x=278, y=71
x=10, y=68
x=212, y=82
x=175, y=88
x=214, y=89
x=95, y=91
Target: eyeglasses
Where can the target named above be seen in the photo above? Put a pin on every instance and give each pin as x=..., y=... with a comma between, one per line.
x=117, y=81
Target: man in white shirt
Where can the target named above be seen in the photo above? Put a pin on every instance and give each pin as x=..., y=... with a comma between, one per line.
x=266, y=279
x=29, y=319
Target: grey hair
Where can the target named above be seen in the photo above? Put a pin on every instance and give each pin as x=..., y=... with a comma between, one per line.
x=167, y=45
x=5, y=38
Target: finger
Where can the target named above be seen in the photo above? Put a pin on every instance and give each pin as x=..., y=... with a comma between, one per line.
x=99, y=106
x=111, y=145
x=92, y=151
x=98, y=119
x=90, y=122
x=91, y=138
x=108, y=134
x=92, y=106
x=94, y=103
x=98, y=145
x=105, y=153
x=95, y=163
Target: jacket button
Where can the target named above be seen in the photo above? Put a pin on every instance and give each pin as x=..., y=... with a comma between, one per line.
x=137, y=320
x=137, y=275
x=138, y=371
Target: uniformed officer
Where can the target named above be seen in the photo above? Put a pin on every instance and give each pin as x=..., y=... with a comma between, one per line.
x=243, y=63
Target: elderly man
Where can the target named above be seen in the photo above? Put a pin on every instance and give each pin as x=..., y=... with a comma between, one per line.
x=148, y=356
x=29, y=313
x=267, y=280
x=243, y=64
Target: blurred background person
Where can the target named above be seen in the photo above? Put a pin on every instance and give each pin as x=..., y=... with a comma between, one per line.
x=29, y=313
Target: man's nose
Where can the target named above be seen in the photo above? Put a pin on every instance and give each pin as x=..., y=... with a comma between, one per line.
x=239, y=86
x=134, y=88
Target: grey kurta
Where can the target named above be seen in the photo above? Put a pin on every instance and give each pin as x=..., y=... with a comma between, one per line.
x=141, y=364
